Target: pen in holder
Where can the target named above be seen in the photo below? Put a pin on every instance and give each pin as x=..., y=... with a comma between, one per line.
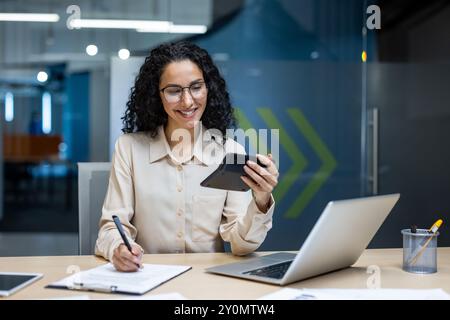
x=419, y=251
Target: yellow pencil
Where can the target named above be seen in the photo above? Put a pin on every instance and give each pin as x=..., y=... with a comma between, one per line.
x=421, y=248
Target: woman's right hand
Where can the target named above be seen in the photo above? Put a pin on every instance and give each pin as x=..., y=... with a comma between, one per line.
x=124, y=260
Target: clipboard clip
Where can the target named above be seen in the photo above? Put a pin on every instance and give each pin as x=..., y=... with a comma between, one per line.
x=97, y=287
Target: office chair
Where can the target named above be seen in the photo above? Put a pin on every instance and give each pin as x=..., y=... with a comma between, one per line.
x=93, y=180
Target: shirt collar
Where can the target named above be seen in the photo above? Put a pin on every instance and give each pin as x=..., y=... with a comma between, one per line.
x=159, y=146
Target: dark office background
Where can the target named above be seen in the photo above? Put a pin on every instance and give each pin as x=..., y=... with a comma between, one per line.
x=286, y=63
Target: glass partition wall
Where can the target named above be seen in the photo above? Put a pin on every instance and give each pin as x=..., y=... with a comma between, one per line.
x=350, y=97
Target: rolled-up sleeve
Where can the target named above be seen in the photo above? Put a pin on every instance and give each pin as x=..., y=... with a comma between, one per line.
x=119, y=201
x=243, y=224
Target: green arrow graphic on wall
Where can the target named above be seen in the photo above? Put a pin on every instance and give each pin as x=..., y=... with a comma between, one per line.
x=322, y=174
x=299, y=161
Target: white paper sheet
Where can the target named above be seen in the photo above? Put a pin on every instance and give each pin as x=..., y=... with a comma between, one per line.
x=357, y=294
x=161, y=296
x=79, y=297
x=106, y=278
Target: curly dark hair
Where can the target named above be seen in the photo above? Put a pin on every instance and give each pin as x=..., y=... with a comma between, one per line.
x=145, y=111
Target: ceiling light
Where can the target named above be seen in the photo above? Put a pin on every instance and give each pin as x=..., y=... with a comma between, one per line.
x=9, y=107
x=91, y=49
x=42, y=76
x=177, y=28
x=187, y=28
x=29, y=17
x=46, y=113
x=124, y=54
x=139, y=25
x=120, y=24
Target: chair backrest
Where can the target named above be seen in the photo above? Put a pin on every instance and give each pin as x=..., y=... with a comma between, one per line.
x=93, y=180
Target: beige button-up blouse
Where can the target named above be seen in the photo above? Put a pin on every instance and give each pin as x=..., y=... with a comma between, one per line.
x=164, y=209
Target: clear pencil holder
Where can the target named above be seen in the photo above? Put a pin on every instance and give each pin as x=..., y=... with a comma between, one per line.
x=419, y=251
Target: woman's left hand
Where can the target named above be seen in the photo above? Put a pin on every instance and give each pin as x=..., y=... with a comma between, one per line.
x=263, y=180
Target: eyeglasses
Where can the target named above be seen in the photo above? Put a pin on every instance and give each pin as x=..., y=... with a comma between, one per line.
x=173, y=93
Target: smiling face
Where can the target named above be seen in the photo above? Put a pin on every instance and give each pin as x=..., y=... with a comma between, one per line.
x=183, y=94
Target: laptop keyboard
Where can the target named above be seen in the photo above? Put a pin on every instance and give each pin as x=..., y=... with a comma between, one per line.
x=275, y=271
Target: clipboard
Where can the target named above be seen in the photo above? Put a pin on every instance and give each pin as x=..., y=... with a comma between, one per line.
x=107, y=279
x=228, y=175
x=90, y=287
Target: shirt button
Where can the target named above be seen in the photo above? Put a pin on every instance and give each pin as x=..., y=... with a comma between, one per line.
x=179, y=188
x=179, y=212
x=180, y=234
x=179, y=168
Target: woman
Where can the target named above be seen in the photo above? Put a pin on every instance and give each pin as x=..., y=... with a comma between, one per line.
x=154, y=187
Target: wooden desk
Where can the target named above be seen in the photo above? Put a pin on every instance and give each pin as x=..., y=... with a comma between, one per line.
x=196, y=284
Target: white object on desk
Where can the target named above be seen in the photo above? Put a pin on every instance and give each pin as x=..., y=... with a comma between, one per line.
x=79, y=297
x=106, y=278
x=357, y=294
x=161, y=296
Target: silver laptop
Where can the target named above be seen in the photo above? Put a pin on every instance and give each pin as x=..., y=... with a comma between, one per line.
x=337, y=240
